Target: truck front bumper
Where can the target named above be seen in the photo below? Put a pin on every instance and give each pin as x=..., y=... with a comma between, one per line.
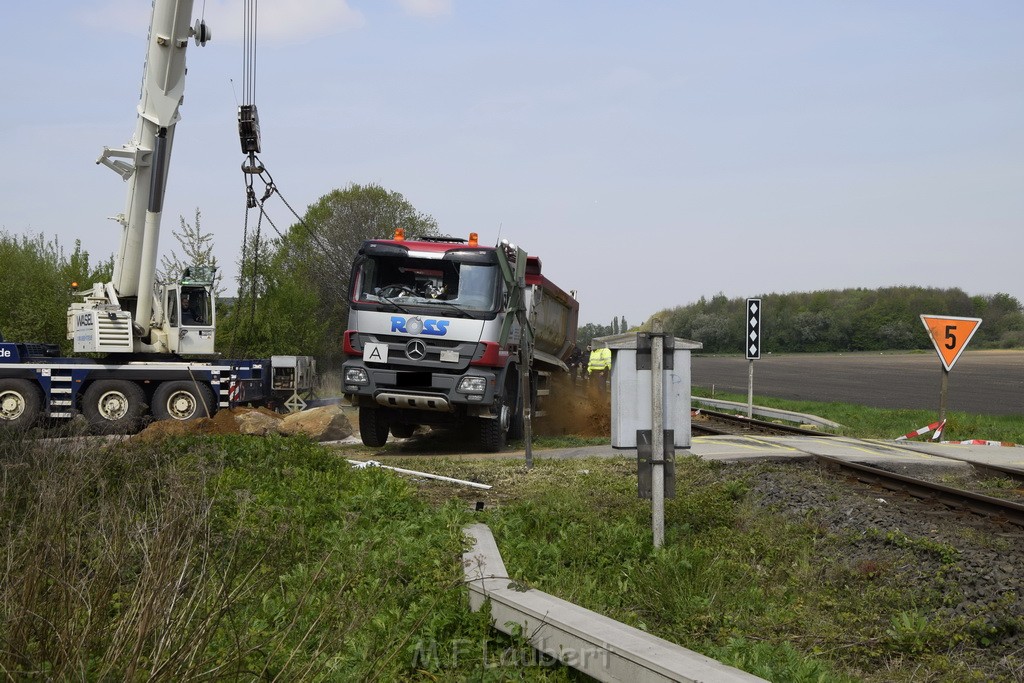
x=473, y=392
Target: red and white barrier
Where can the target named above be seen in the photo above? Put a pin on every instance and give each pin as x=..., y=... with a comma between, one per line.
x=981, y=442
x=936, y=426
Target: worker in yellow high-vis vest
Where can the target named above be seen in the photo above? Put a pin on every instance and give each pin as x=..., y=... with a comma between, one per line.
x=600, y=365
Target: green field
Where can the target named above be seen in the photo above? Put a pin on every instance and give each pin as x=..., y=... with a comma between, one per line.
x=883, y=423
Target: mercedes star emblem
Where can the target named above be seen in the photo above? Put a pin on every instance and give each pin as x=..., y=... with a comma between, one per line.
x=416, y=350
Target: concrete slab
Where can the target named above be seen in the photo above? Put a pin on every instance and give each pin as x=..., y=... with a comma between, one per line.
x=731, y=448
x=602, y=648
x=859, y=450
x=736, y=448
x=1003, y=456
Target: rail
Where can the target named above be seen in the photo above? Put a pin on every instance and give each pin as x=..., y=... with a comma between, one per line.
x=727, y=423
x=955, y=498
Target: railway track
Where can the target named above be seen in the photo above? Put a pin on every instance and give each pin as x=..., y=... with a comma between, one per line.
x=958, y=499
x=705, y=422
x=709, y=422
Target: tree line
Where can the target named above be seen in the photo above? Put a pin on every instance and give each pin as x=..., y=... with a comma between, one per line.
x=293, y=287
x=858, y=319
x=36, y=286
x=586, y=334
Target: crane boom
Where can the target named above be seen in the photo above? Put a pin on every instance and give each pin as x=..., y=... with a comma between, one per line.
x=143, y=163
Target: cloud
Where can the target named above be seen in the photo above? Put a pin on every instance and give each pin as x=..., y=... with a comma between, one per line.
x=295, y=21
x=426, y=8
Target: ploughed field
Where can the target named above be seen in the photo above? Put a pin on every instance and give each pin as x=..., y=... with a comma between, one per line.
x=981, y=382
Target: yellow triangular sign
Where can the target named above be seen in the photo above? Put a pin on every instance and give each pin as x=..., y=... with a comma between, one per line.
x=950, y=335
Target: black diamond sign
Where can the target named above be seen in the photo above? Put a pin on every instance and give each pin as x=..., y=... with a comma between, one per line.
x=753, y=340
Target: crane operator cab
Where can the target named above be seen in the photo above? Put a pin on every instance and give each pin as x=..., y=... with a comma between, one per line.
x=190, y=312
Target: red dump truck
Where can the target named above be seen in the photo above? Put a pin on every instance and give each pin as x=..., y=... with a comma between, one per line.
x=434, y=337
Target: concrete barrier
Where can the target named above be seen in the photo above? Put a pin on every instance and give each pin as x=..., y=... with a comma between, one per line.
x=772, y=413
x=602, y=648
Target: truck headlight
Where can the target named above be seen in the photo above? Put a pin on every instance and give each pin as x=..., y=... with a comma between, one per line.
x=472, y=385
x=356, y=376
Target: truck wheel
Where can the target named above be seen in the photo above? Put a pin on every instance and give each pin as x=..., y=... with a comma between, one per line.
x=494, y=431
x=373, y=427
x=114, y=406
x=183, y=400
x=21, y=402
x=516, y=427
x=400, y=430
x=492, y=436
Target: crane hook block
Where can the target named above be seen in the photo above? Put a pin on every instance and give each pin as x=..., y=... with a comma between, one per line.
x=249, y=128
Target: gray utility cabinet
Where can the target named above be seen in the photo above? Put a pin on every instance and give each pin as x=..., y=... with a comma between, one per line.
x=632, y=404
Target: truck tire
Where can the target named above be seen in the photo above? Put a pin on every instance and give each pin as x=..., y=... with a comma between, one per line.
x=494, y=431
x=21, y=402
x=373, y=427
x=516, y=427
x=114, y=406
x=183, y=400
x=493, y=436
x=400, y=430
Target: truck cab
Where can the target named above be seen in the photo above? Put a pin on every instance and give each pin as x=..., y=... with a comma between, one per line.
x=431, y=339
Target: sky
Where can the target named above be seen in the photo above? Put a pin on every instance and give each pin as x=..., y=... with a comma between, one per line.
x=651, y=152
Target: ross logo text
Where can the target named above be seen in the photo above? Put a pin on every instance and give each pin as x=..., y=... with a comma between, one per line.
x=417, y=325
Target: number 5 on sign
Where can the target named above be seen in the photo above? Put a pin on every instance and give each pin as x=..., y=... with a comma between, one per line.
x=950, y=335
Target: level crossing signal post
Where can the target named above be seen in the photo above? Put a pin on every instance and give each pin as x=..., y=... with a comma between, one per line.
x=753, y=348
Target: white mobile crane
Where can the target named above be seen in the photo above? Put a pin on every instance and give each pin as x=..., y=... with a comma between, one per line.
x=144, y=335
x=127, y=315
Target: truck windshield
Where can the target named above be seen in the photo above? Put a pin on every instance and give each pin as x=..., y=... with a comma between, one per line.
x=405, y=282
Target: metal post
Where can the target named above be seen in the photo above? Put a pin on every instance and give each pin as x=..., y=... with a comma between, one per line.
x=750, y=390
x=657, y=434
x=942, y=393
x=527, y=397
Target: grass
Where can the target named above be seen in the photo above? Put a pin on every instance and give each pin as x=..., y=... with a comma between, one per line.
x=270, y=558
x=229, y=557
x=884, y=423
x=768, y=594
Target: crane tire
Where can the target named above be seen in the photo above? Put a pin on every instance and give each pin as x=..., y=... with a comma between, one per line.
x=183, y=400
x=21, y=403
x=114, y=406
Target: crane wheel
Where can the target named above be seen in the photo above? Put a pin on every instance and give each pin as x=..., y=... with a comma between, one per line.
x=114, y=406
x=183, y=400
x=21, y=403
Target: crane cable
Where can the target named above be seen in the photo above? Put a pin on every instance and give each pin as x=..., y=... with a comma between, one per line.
x=249, y=136
x=253, y=167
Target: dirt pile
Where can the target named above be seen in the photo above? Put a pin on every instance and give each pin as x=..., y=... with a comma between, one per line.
x=326, y=423
x=583, y=409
